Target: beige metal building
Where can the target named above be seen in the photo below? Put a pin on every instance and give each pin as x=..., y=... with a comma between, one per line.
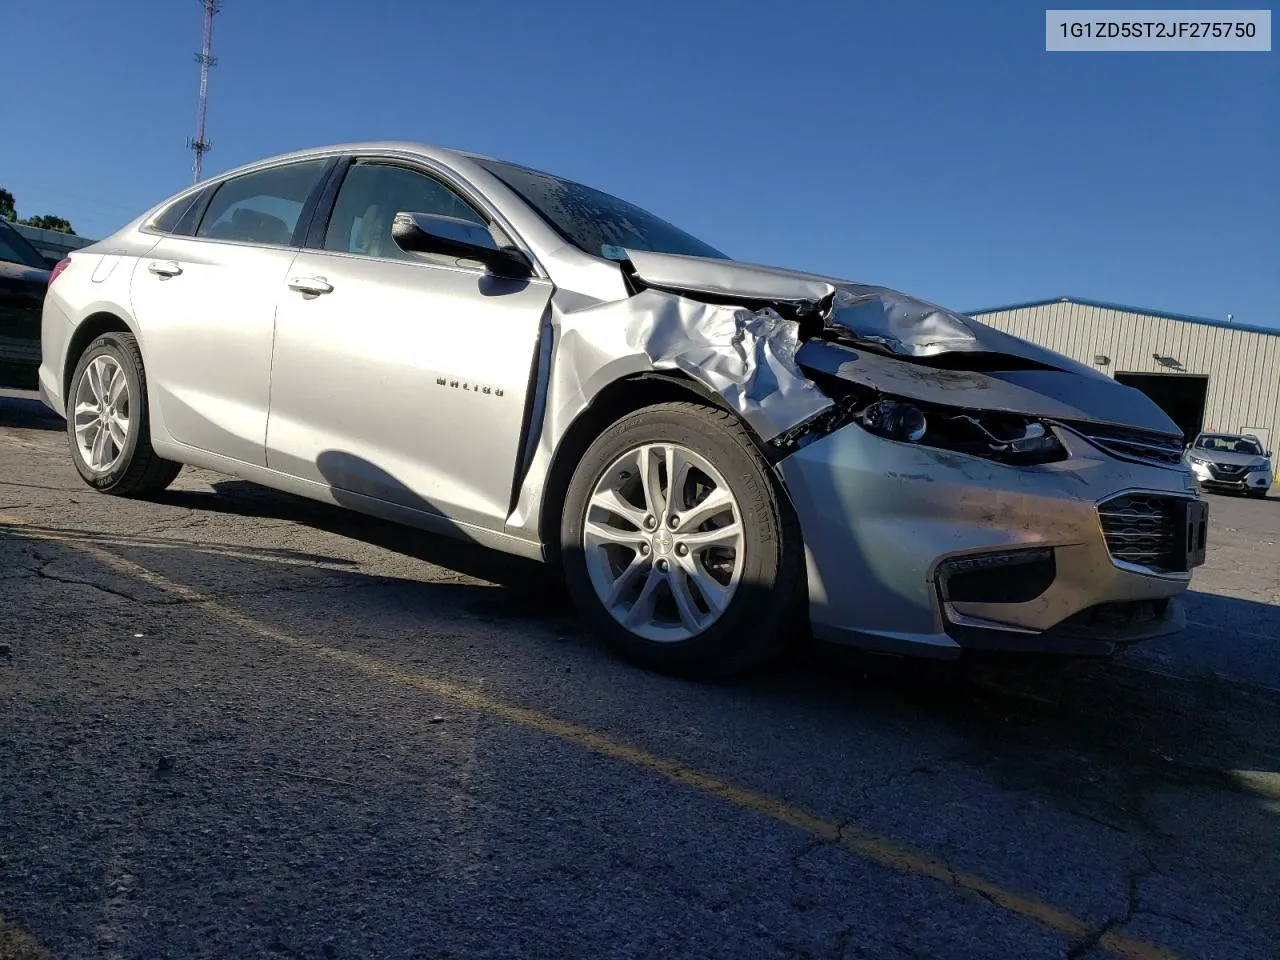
x=1206, y=374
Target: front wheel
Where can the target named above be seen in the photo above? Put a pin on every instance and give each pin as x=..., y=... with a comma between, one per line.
x=679, y=547
x=108, y=424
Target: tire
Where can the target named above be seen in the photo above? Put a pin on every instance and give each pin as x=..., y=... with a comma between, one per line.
x=136, y=470
x=765, y=594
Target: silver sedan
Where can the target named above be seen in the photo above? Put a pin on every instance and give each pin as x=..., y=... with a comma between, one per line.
x=721, y=455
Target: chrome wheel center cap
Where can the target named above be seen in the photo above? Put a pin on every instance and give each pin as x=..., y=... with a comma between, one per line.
x=662, y=544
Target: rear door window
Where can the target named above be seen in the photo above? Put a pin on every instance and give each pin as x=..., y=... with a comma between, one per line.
x=262, y=207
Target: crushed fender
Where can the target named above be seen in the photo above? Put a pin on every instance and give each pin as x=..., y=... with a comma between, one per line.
x=748, y=357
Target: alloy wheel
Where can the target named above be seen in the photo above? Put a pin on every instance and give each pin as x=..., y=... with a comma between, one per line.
x=101, y=413
x=663, y=542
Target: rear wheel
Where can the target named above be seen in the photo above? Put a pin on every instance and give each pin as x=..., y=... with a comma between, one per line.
x=108, y=423
x=679, y=547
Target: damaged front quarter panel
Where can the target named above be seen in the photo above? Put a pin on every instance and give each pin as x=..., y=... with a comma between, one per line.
x=746, y=357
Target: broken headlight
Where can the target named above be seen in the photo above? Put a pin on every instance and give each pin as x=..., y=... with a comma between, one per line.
x=1008, y=438
x=895, y=420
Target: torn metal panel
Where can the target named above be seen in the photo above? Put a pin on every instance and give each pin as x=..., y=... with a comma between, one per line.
x=747, y=357
x=728, y=278
x=901, y=324
x=1051, y=394
x=912, y=327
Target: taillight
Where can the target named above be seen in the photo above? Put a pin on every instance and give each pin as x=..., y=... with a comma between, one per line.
x=58, y=268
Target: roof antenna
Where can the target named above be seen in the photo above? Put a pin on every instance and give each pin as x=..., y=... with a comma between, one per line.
x=198, y=144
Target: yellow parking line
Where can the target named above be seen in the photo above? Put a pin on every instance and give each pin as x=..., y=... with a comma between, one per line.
x=867, y=845
x=1263, y=782
x=17, y=944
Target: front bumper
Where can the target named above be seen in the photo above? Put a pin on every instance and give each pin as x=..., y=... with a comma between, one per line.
x=1260, y=479
x=885, y=525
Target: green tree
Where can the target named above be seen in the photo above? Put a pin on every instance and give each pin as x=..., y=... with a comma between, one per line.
x=9, y=210
x=48, y=222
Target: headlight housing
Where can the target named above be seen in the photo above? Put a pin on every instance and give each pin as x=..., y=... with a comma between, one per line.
x=1007, y=438
x=895, y=420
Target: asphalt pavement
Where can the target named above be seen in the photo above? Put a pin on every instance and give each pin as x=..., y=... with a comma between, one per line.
x=235, y=723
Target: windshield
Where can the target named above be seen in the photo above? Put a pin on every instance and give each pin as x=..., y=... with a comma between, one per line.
x=1221, y=444
x=596, y=222
x=15, y=249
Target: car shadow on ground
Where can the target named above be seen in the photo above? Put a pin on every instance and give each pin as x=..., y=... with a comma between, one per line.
x=1087, y=732
x=1042, y=722
x=1021, y=706
x=24, y=410
x=525, y=580
x=1094, y=739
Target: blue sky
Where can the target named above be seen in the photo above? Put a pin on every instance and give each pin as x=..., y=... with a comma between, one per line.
x=936, y=148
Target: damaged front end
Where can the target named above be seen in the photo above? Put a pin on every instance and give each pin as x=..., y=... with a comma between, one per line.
x=956, y=486
x=830, y=352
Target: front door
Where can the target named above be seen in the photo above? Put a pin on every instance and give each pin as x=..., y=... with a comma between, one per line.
x=397, y=376
x=207, y=306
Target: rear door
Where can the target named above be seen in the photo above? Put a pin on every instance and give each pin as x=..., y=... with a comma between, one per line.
x=206, y=307
x=396, y=376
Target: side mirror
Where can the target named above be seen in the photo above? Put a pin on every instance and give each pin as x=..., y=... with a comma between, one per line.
x=455, y=237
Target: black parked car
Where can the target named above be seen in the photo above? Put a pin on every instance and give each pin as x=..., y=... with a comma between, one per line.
x=24, y=276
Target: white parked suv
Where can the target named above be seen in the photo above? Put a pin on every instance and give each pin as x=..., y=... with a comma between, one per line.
x=1230, y=461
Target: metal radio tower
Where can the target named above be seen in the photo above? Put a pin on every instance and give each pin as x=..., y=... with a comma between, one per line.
x=198, y=144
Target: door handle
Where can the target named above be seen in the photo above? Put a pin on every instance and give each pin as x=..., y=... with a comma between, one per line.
x=311, y=285
x=164, y=268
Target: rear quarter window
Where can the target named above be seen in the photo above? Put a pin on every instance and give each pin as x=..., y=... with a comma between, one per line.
x=179, y=216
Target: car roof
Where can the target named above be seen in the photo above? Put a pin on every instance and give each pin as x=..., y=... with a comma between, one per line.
x=445, y=155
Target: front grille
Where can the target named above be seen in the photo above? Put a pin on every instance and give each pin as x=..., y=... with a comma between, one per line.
x=1226, y=471
x=1144, y=529
x=1139, y=446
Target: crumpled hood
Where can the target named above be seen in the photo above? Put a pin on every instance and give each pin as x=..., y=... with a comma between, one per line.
x=902, y=324
x=1048, y=394
x=913, y=331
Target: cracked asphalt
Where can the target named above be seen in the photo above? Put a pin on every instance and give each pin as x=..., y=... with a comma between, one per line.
x=237, y=723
